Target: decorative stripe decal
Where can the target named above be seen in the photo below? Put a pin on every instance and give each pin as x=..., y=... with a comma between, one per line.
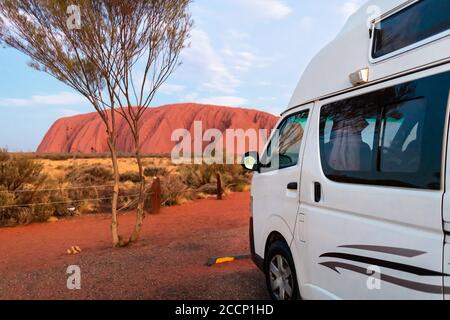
x=408, y=253
x=383, y=263
x=417, y=286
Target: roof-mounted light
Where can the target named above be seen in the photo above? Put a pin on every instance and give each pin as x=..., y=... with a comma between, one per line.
x=360, y=77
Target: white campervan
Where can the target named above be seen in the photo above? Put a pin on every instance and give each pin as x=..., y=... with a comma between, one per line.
x=350, y=199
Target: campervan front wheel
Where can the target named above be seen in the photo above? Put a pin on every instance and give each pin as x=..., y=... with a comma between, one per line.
x=280, y=273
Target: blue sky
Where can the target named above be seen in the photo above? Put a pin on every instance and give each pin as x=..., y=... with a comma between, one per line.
x=246, y=53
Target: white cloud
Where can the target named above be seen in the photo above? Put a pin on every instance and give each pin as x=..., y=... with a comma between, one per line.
x=219, y=70
x=244, y=60
x=224, y=101
x=275, y=9
x=169, y=89
x=349, y=8
x=204, y=58
x=59, y=99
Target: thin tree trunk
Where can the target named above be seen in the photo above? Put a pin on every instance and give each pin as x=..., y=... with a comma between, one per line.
x=115, y=198
x=140, y=215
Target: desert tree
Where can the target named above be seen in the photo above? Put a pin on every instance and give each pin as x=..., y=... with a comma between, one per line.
x=152, y=36
x=90, y=45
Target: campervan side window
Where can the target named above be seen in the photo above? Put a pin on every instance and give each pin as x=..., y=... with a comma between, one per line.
x=391, y=137
x=402, y=135
x=418, y=22
x=283, y=150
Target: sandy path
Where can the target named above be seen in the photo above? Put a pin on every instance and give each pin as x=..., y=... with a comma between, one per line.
x=168, y=262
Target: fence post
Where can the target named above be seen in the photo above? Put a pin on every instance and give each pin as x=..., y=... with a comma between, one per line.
x=156, y=195
x=219, y=187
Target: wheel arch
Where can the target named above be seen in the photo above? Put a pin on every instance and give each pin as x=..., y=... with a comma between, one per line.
x=277, y=230
x=273, y=237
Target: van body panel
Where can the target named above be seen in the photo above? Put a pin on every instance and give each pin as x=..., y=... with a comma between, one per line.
x=275, y=207
x=356, y=227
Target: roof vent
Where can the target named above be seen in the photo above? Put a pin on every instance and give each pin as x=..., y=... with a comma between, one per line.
x=360, y=77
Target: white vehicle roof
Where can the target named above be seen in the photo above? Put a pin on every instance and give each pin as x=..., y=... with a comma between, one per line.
x=328, y=73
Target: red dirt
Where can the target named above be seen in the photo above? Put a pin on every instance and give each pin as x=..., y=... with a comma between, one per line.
x=167, y=263
x=86, y=133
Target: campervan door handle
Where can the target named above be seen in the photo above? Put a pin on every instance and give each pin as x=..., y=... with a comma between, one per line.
x=317, y=192
x=292, y=186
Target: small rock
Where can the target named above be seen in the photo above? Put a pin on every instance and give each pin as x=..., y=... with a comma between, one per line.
x=52, y=219
x=74, y=250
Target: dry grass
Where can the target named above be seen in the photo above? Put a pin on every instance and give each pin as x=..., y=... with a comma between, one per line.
x=83, y=184
x=58, y=168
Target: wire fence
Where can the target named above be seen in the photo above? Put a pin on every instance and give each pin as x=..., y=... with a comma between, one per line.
x=59, y=189
x=72, y=201
x=62, y=202
x=77, y=201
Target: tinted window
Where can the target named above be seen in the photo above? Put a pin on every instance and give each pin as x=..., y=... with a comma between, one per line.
x=390, y=137
x=402, y=136
x=284, y=148
x=349, y=136
x=415, y=23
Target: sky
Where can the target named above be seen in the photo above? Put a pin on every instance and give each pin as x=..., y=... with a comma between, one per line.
x=243, y=53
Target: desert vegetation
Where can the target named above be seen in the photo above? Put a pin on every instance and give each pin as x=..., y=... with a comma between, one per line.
x=36, y=188
x=116, y=54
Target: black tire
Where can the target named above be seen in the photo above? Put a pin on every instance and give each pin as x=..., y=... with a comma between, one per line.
x=276, y=250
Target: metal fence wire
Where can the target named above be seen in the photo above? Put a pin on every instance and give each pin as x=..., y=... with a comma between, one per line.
x=69, y=201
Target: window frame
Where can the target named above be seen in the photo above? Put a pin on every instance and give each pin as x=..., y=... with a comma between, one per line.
x=403, y=50
x=282, y=122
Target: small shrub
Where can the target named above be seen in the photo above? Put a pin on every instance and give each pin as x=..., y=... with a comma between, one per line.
x=174, y=190
x=130, y=176
x=196, y=176
x=203, y=177
x=6, y=198
x=4, y=155
x=18, y=171
x=26, y=194
x=210, y=188
x=89, y=175
x=58, y=156
x=155, y=172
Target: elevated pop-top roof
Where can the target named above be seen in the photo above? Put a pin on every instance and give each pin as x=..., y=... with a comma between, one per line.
x=329, y=71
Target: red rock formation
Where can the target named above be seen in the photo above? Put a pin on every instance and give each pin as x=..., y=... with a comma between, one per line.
x=86, y=133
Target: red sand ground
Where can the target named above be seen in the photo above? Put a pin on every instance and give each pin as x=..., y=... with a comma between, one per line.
x=86, y=133
x=168, y=262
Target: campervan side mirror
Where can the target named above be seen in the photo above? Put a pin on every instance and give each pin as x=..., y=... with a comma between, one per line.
x=250, y=161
